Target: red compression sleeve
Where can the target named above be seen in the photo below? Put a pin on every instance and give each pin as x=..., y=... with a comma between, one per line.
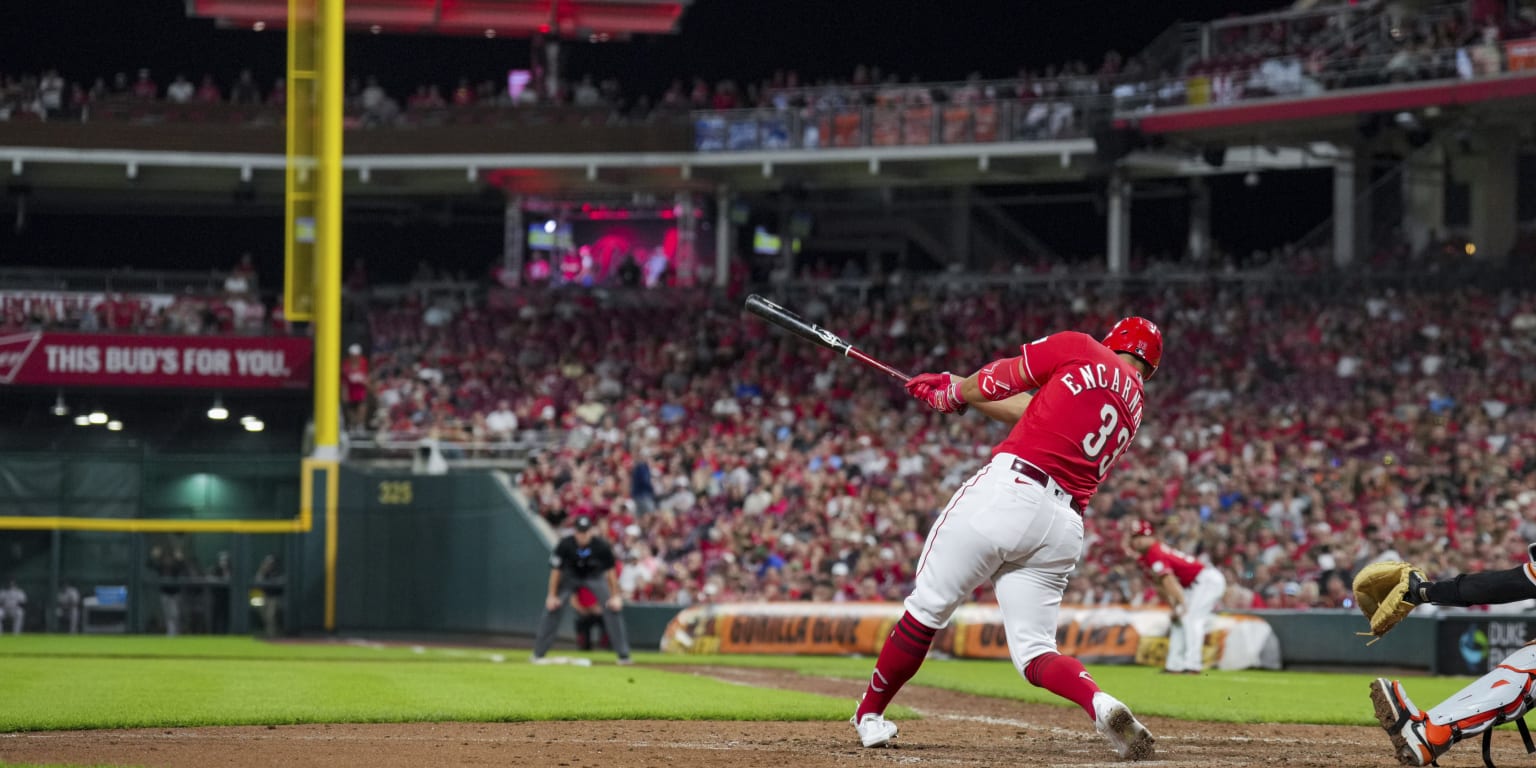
x=1001, y=379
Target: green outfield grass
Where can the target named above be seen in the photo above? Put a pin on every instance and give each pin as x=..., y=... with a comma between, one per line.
x=67, y=682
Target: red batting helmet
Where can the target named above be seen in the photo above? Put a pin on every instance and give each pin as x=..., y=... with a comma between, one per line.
x=1139, y=337
x=1141, y=528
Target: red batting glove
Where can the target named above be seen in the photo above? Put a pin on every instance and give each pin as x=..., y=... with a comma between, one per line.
x=939, y=391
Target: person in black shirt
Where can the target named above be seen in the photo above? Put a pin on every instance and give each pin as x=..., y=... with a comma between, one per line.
x=269, y=579
x=582, y=559
x=171, y=567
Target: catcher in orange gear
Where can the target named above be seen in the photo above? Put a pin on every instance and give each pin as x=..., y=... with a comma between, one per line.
x=1502, y=695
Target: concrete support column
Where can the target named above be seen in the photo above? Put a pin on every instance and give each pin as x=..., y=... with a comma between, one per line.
x=1199, y=220
x=725, y=237
x=786, y=243
x=1493, y=175
x=960, y=227
x=1351, y=204
x=1118, y=249
x=514, y=240
x=687, y=238
x=1424, y=198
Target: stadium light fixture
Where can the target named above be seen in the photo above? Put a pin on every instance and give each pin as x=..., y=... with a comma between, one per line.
x=60, y=408
x=97, y=417
x=255, y=425
x=246, y=419
x=82, y=420
x=218, y=412
x=114, y=426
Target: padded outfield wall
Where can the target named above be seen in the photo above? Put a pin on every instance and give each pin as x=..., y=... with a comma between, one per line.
x=416, y=554
x=447, y=554
x=429, y=553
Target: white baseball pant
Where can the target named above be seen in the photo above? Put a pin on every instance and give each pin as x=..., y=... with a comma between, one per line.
x=1186, y=638
x=1497, y=697
x=1005, y=527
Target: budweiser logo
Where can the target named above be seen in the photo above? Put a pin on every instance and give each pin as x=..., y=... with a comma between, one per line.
x=14, y=351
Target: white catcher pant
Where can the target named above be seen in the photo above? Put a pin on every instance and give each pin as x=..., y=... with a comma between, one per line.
x=1004, y=527
x=1186, y=638
x=1497, y=697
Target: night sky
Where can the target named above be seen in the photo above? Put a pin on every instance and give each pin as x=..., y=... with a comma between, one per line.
x=740, y=39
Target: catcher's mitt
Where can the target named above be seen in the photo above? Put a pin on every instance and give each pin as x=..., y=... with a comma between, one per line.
x=1383, y=592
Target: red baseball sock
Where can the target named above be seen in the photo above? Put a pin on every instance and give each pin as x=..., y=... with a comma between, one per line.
x=899, y=660
x=1063, y=676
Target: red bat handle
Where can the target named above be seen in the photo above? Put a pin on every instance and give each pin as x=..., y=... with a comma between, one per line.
x=877, y=365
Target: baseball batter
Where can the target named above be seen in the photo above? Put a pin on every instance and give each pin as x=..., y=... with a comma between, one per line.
x=1191, y=590
x=1018, y=520
x=1420, y=737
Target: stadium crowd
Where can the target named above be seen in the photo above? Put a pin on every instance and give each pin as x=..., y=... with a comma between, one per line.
x=1325, y=47
x=197, y=307
x=1293, y=435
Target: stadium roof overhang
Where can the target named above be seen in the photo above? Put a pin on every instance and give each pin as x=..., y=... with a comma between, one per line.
x=1339, y=116
x=615, y=19
x=138, y=178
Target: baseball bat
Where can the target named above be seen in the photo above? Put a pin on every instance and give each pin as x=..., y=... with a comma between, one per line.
x=816, y=334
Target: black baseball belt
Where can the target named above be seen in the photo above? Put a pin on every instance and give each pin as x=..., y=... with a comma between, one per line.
x=1044, y=481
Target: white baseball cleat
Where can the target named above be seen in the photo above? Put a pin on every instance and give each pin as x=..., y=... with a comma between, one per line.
x=1120, y=728
x=874, y=730
x=1404, y=724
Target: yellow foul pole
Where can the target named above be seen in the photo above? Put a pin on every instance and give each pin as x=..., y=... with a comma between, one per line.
x=299, y=177
x=327, y=321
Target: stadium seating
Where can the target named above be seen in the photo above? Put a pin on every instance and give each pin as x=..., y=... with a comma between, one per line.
x=1292, y=53
x=1296, y=431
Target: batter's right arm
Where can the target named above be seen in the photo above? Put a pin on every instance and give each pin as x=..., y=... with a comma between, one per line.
x=1007, y=411
x=996, y=382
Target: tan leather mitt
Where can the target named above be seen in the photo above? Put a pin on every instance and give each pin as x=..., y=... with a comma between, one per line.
x=1384, y=593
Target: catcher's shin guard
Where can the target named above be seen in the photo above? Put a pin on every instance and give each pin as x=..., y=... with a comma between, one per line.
x=1499, y=697
x=1405, y=724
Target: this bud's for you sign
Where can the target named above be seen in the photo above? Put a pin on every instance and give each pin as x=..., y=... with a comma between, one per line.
x=197, y=362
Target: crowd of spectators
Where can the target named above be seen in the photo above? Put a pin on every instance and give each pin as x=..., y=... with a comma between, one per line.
x=1292, y=436
x=1306, y=52
x=1328, y=46
x=1351, y=47
x=50, y=96
x=199, y=307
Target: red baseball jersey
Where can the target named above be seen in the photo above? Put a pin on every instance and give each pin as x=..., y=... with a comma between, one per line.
x=1158, y=560
x=1084, y=415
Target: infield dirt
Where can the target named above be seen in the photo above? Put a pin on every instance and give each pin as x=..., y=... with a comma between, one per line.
x=956, y=730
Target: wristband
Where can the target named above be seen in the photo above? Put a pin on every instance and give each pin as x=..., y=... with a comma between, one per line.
x=952, y=394
x=1000, y=379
